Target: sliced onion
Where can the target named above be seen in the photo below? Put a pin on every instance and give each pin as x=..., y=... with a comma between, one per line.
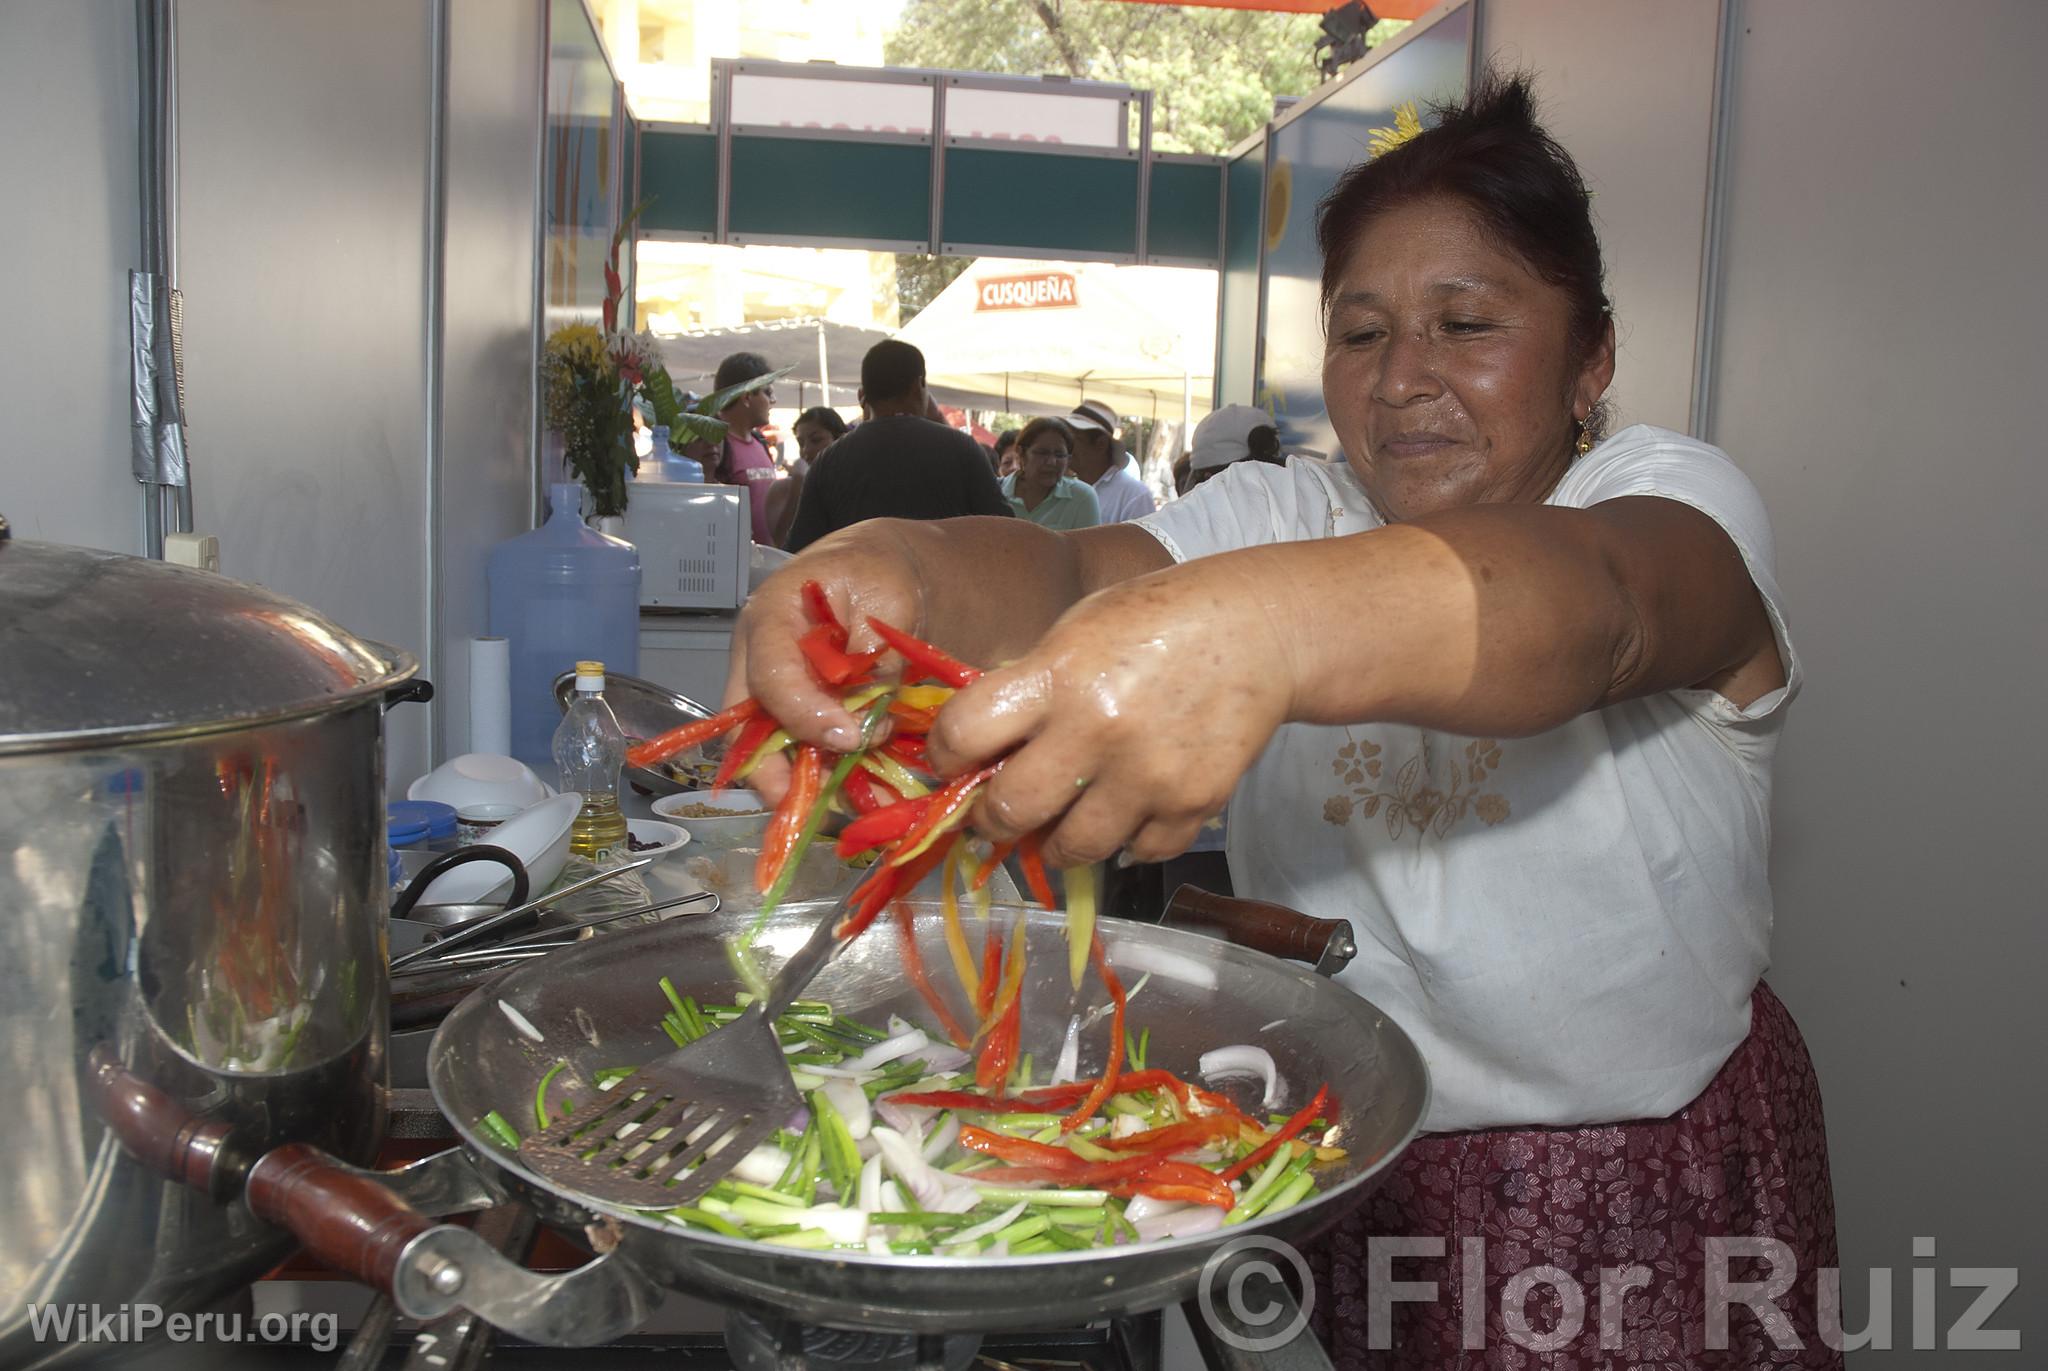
x=903, y=1117
x=990, y=1226
x=1069, y=1064
x=1191, y=1222
x=943, y=1057
x=1145, y=1207
x=942, y=1138
x=903, y=1161
x=791, y=1049
x=957, y=1201
x=1160, y=961
x=800, y=1120
x=522, y=1023
x=852, y=1103
x=845, y=1225
x=892, y=1197
x=1244, y=1060
x=762, y=1166
x=870, y=1190
x=1269, y=1027
x=882, y=1053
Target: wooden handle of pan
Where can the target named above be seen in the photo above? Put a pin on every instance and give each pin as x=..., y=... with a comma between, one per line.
x=1272, y=929
x=163, y=1134
x=345, y=1219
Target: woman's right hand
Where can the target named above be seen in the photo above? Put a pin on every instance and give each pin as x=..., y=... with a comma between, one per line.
x=867, y=569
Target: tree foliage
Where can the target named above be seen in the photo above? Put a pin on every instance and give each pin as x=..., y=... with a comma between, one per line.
x=1213, y=73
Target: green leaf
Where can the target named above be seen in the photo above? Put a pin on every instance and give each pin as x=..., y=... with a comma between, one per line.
x=717, y=400
x=690, y=425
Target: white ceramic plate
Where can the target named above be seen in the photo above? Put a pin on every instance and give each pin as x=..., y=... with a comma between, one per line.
x=742, y=829
x=539, y=837
x=655, y=831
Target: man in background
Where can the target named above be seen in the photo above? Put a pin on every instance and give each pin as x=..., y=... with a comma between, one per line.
x=1099, y=461
x=898, y=464
x=1234, y=433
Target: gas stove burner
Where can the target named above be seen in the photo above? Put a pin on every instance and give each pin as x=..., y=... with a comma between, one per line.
x=758, y=1344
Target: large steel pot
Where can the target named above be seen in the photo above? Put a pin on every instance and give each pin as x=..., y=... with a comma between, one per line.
x=192, y=879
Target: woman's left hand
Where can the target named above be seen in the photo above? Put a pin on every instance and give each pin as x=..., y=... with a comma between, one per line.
x=1135, y=715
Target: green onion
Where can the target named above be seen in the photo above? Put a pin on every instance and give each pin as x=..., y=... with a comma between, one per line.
x=808, y=1239
x=1290, y=1195
x=1028, y=1227
x=1066, y=1199
x=614, y=1073
x=699, y=1218
x=500, y=1132
x=759, y=1192
x=775, y=1230
x=1067, y=1242
x=540, y=1094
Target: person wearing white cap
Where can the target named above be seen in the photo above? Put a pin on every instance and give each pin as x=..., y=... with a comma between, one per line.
x=1100, y=462
x=1231, y=434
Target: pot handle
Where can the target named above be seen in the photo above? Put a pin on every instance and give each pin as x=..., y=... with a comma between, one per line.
x=416, y=690
x=355, y=1223
x=448, y=861
x=1325, y=944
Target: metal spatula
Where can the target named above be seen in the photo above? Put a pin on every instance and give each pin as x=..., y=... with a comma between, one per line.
x=706, y=1105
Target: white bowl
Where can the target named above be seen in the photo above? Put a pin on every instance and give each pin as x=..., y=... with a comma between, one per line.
x=667, y=837
x=481, y=778
x=741, y=830
x=539, y=837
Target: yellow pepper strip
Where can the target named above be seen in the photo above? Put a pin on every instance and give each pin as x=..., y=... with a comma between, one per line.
x=1013, y=975
x=770, y=745
x=956, y=937
x=925, y=696
x=984, y=900
x=865, y=696
x=1080, y=882
x=894, y=774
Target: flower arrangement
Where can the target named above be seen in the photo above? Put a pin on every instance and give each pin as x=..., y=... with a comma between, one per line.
x=590, y=377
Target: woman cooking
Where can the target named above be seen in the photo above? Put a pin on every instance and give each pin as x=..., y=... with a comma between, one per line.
x=1500, y=690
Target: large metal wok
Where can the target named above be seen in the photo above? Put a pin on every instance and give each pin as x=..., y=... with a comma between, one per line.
x=599, y=1005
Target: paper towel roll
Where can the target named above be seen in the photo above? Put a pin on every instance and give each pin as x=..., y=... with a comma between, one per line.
x=490, y=696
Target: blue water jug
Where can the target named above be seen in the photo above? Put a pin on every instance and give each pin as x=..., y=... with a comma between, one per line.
x=560, y=594
x=676, y=468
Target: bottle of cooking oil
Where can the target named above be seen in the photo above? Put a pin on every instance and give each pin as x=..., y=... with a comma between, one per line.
x=589, y=750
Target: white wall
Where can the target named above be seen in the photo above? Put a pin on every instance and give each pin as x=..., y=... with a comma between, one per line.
x=485, y=484
x=1628, y=87
x=1881, y=375
x=70, y=234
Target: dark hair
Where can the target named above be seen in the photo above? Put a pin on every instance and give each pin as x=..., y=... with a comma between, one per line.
x=825, y=418
x=1490, y=153
x=1044, y=424
x=891, y=370
x=741, y=366
x=1263, y=444
x=1004, y=441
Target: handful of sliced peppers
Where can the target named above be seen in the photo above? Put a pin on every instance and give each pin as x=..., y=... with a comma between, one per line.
x=913, y=821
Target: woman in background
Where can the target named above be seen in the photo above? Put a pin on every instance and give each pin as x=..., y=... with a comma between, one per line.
x=1040, y=489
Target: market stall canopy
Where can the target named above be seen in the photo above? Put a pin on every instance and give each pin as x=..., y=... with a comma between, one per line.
x=1040, y=335
x=693, y=356
x=1381, y=9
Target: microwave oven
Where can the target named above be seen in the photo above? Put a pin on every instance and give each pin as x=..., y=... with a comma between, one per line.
x=695, y=544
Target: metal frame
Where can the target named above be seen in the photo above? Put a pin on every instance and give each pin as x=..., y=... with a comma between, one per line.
x=1187, y=159
x=1707, y=323
x=440, y=23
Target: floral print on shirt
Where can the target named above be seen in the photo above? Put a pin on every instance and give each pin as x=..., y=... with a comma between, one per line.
x=1416, y=798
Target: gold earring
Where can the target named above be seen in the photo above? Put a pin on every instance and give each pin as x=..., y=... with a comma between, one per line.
x=1585, y=443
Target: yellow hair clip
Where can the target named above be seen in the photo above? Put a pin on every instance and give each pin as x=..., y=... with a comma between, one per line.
x=1407, y=124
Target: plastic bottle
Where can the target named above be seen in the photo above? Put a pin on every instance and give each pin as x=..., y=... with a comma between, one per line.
x=561, y=593
x=676, y=468
x=590, y=747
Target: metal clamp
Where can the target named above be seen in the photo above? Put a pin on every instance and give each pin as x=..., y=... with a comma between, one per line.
x=446, y=1268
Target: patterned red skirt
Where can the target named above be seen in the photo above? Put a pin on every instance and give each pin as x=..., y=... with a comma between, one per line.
x=1679, y=1216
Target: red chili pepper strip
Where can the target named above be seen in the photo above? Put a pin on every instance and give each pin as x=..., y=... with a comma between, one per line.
x=1022, y=1151
x=1177, y=1137
x=806, y=779
x=861, y=792
x=911, y=718
x=913, y=967
x=883, y=827
x=906, y=747
x=991, y=974
x=820, y=608
x=689, y=735
x=922, y=659
x=1034, y=870
x=1041, y=1097
x=1105, y=1086
x=744, y=744
x=948, y=811
x=1286, y=1131
x=1013, y=981
x=1148, y=1175
x=995, y=860
x=824, y=647
x=869, y=900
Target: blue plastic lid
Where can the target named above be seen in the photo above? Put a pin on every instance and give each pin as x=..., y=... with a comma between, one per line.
x=431, y=817
x=403, y=825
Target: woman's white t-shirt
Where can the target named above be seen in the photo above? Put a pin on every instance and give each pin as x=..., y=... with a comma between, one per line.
x=1570, y=924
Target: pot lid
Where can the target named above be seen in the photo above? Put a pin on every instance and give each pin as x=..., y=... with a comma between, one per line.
x=98, y=649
